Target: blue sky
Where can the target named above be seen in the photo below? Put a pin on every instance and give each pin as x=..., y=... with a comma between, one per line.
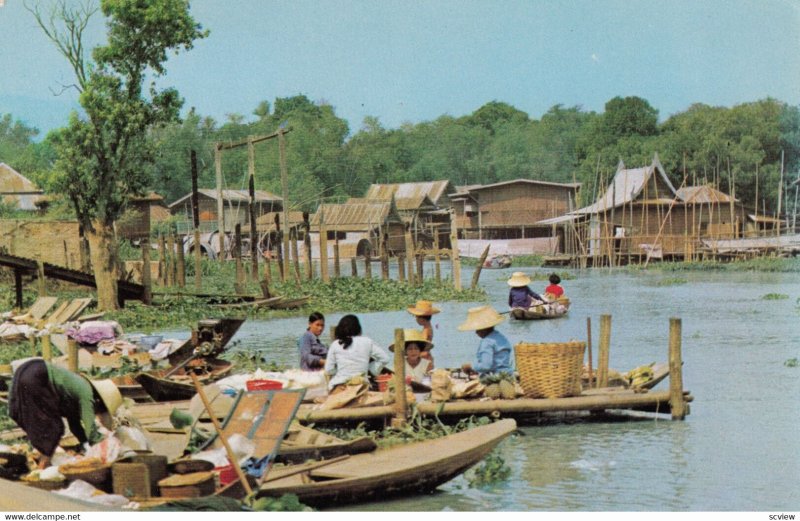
x=412, y=61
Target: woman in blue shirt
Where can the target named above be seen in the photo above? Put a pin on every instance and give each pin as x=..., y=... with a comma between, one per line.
x=312, y=350
x=494, y=351
x=520, y=295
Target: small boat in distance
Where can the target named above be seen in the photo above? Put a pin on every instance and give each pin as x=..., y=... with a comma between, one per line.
x=496, y=262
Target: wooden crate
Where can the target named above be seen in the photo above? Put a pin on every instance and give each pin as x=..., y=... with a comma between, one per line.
x=131, y=480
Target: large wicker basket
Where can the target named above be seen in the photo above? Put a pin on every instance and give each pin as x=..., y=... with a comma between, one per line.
x=551, y=370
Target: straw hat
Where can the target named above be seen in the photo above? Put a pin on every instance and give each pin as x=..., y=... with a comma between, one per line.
x=109, y=393
x=416, y=336
x=423, y=308
x=518, y=279
x=482, y=317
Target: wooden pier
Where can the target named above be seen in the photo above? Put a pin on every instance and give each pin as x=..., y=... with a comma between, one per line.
x=592, y=401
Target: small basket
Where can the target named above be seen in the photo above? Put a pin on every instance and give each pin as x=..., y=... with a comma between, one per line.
x=97, y=474
x=551, y=370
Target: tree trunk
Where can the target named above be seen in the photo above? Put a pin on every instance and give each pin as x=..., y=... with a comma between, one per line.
x=103, y=250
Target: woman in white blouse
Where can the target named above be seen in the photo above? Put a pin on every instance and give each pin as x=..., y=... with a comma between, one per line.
x=352, y=354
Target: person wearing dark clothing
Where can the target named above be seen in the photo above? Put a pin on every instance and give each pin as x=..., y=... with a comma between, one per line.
x=42, y=394
x=520, y=295
x=312, y=350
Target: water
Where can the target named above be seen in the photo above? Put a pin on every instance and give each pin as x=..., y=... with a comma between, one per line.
x=738, y=450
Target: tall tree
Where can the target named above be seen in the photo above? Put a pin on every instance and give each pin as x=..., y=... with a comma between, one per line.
x=104, y=157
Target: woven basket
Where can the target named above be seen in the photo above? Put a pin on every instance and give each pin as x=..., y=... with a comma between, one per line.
x=551, y=370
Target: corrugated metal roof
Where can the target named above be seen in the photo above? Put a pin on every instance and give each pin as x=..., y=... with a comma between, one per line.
x=12, y=182
x=354, y=215
x=475, y=188
x=410, y=196
x=703, y=194
x=626, y=186
x=243, y=196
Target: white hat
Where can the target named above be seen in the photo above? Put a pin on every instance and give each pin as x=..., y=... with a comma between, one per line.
x=518, y=280
x=109, y=393
x=482, y=317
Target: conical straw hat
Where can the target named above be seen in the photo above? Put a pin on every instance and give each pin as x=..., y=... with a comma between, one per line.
x=109, y=393
x=518, y=279
x=482, y=317
x=423, y=308
x=416, y=336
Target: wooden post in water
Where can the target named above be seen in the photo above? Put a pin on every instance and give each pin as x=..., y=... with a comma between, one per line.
x=171, y=267
x=295, y=253
x=198, y=252
x=454, y=255
x=220, y=202
x=409, y=253
x=337, y=260
x=180, y=262
x=279, y=245
x=307, y=246
x=420, y=269
x=251, y=190
x=285, y=196
x=436, y=255
x=72, y=354
x=368, y=264
x=162, y=265
x=47, y=348
x=323, y=246
x=400, y=405
x=401, y=268
x=353, y=267
x=384, y=256
x=605, y=344
x=589, y=347
x=476, y=275
x=237, y=255
x=676, y=401
x=147, y=280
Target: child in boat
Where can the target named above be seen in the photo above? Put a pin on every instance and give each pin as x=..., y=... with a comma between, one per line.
x=423, y=310
x=312, y=350
x=553, y=294
x=494, y=351
x=520, y=295
x=417, y=367
x=352, y=354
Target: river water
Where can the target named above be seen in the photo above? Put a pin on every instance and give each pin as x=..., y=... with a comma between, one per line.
x=738, y=450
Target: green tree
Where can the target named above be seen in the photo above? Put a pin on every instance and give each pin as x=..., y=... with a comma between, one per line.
x=105, y=157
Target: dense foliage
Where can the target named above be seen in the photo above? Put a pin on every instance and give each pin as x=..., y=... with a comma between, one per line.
x=739, y=148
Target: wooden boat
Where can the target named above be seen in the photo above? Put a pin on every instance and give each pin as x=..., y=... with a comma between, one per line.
x=178, y=386
x=498, y=262
x=210, y=336
x=530, y=314
x=301, y=444
x=401, y=470
x=290, y=303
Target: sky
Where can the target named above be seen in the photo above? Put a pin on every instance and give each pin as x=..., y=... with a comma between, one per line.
x=413, y=61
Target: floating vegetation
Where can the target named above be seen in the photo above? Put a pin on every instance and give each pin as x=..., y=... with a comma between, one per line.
x=774, y=296
x=492, y=470
x=285, y=503
x=765, y=264
x=792, y=362
x=673, y=281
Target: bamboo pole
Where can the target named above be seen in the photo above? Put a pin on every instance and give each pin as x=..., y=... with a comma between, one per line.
x=180, y=262
x=279, y=244
x=476, y=275
x=307, y=246
x=337, y=261
x=780, y=195
x=437, y=269
x=589, y=347
x=353, y=267
x=47, y=348
x=420, y=278
x=605, y=344
x=72, y=354
x=454, y=254
x=147, y=281
x=170, y=260
x=198, y=253
x=295, y=253
x=401, y=268
x=400, y=405
x=409, y=253
x=237, y=255
x=220, y=202
x=217, y=427
x=676, y=401
x=41, y=282
x=251, y=189
x=384, y=256
x=198, y=261
x=162, y=264
x=285, y=196
x=367, y=264
x=323, y=246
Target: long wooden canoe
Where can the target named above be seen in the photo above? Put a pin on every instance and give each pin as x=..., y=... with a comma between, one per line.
x=402, y=470
x=179, y=385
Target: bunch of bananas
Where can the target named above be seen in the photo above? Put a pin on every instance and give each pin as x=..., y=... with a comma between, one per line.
x=640, y=375
x=499, y=385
